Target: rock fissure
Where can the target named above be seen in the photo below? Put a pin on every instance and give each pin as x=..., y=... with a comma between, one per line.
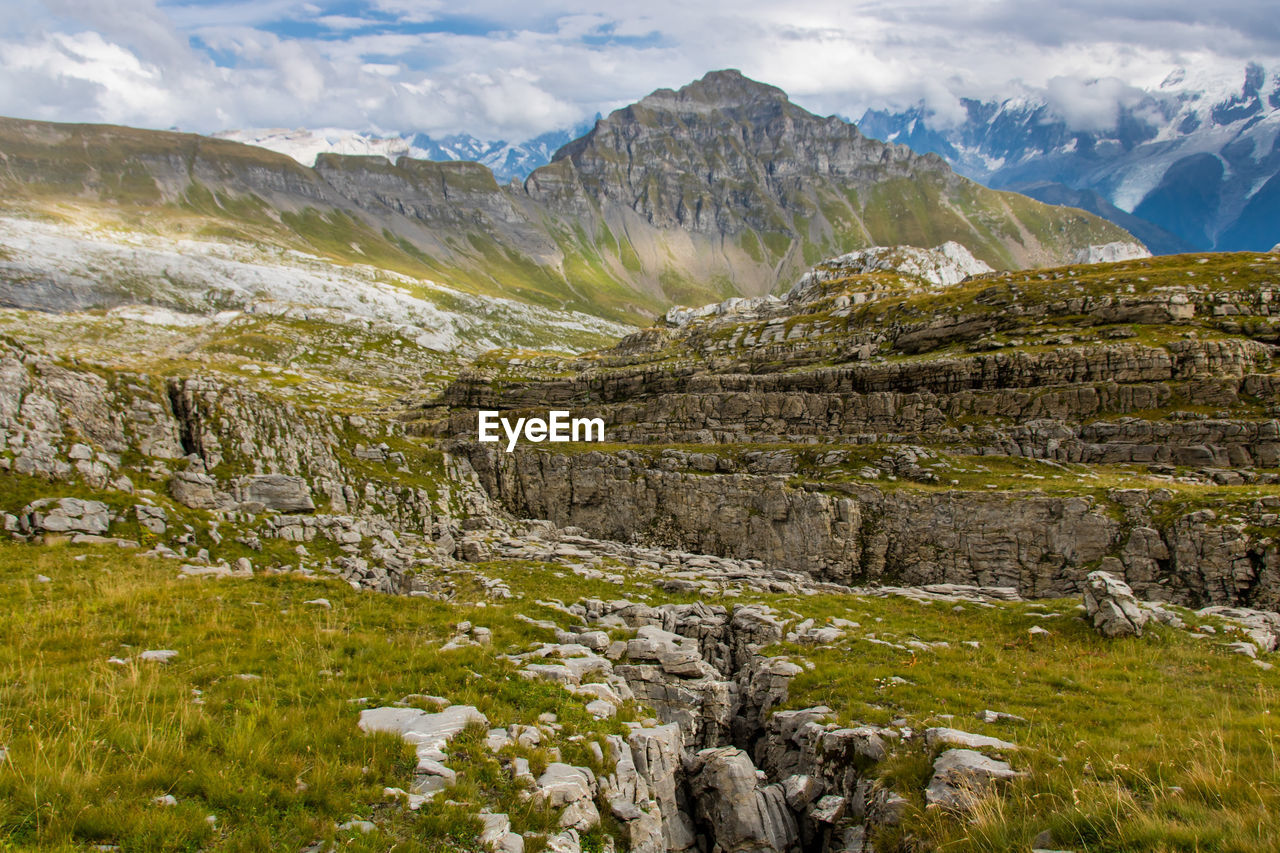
x=723, y=771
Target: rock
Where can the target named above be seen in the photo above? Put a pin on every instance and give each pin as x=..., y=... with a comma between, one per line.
x=828, y=810
x=745, y=815
x=563, y=785
x=631, y=802
x=1261, y=626
x=656, y=753
x=1242, y=648
x=151, y=518
x=601, y=709
x=166, y=800
x=989, y=716
x=1111, y=606
x=192, y=571
x=429, y=733
x=322, y=603
x=364, y=827
x=800, y=791
x=941, y=266
x=497, y=835
x=43, y=579
x=278, y=492
x=1106, y=253
x=67, y=515
x=960, y=776
x=564, y=842
x=158, y=655
x=414, y=801
x=195, y=490
x=939, y=736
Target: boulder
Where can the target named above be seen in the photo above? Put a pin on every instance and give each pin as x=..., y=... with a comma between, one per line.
x=67, y=515
x=497, y=834
x=1112, y=607
x=743, y=815
x=961, y=776
x=151, y=518
x=277, y=492
x=573, y=788
x=565, y=842
x=195, y=490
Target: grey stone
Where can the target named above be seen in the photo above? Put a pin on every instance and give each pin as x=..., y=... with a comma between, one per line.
x=195, y=490
x=935, y=737
x=572, y=789
x=1112, y=607
x=960, y=776
x=278, y=492
x=746, y=815
x=68, y=515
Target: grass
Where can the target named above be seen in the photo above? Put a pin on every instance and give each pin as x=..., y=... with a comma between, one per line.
x=1160, y=743
x=1165, y=742
x=277, y=760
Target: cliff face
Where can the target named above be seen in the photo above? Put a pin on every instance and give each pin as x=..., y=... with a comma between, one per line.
x=726, y=155
x=1015, y=430
x=775, y=509
x=724, y=187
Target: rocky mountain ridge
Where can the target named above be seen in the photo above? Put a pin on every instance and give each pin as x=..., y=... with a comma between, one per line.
x=707, y=207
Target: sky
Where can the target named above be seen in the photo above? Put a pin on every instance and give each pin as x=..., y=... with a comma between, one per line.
x=512, y=70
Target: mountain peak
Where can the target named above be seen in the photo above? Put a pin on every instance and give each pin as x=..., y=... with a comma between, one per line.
x=717, y=89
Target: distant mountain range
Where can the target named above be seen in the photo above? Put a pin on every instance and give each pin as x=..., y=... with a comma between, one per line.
x=508, y=161
x=722, y=188
x=1192, y=164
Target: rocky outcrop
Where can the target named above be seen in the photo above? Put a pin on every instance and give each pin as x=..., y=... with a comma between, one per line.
x=1111, y=606
x=571, y=790
x=772, y=780
x=941, y=266
x=743, y=814
x=657, y=755
x=429, y=733
x=277, y=492
x=65, y=515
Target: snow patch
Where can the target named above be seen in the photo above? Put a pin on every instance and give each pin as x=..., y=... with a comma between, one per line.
x=1108, y=253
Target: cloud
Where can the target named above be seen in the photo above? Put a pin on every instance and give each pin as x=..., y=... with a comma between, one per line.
x=513, y=70
x=1090, y=104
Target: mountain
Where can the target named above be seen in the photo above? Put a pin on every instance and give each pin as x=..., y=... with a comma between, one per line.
x=1192, y=164
x=723, y=188
x=508, y=161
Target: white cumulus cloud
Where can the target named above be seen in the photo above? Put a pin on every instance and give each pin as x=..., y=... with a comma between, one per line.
x=512, y=70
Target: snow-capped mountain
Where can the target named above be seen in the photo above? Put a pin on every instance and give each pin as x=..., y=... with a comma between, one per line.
x=507, y=160
x=1191, y=164
x=304, y=145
